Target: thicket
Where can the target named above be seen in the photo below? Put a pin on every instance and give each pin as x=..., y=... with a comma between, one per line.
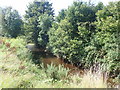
x=84, y=33
x=10, y=22
x=18, y=71
x=38, y=20
x=88, y=34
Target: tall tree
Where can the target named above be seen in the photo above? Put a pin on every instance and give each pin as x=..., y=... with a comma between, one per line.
x=79, y=13
x=106, y=38
x=61, y=15
x=107, y=23
x=35, y=15
x=1, y=20
x=12, y=22
x=72, y=32
x=99, y=6
x=44, y=24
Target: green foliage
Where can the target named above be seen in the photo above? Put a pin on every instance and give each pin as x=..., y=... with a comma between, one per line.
x=1, y=19
x=81, y=12
x=16, y=73
x=18, y=46
x=83, y=33
x=38, y=19
x=63, y=46
x=106, y=37
x=73, y=32
x=56, y=73
x=91, y=39
x=22, y=73
x=12, y=22
x=44, y=24
x=99, y=6
x=61, y=15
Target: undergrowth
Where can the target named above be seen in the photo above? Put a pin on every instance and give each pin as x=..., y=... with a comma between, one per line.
x=18, y=71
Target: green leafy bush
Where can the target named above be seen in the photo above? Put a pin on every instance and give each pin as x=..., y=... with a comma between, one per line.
x=62, y=44
x=56, y=73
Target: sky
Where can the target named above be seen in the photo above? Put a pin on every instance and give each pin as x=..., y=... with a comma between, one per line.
x=21, y=5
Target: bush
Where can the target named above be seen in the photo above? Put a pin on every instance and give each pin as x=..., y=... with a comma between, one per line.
x=56, y=73
x=19, y=45
x=61, y=43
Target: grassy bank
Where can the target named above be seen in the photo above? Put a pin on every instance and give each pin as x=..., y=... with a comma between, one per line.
x=17, y=70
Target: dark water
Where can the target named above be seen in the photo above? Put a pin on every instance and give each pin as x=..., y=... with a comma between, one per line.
x=48, y=58
x=57, y=61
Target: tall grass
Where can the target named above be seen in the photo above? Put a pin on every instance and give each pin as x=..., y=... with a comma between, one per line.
x=94, y=80
x=89, y=80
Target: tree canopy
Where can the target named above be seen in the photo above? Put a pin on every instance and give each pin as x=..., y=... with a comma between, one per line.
x=83, y=33
x=38, y=14
x=11, y=22
x=87, y=34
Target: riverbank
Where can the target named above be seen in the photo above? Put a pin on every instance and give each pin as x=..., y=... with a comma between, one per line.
x=17, y=70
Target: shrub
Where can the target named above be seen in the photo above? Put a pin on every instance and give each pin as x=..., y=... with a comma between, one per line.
x=19, y=45
x=56, y=73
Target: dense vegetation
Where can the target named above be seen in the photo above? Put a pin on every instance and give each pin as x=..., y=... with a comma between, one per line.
x=11, y=24
x=18, y=71
x=84, y=34
x=38, y=19
x=87, y=34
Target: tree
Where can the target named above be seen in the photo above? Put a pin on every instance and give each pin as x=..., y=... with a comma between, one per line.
x=61, y=15
x=72, y=33
x=99, y=6
x=44, y=24
x=106, y=38
x=107, y=20
x=61, y=43
x=79, y=13
x=37, y=12
x=12, y=22
x=1, y=20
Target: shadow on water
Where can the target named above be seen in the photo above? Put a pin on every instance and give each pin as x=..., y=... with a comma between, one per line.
x=40, y=55
x=48, y=58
